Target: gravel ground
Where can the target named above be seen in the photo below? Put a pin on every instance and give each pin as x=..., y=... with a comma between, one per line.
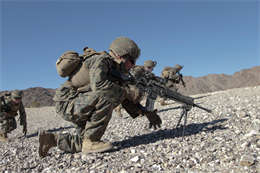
x=227, y=140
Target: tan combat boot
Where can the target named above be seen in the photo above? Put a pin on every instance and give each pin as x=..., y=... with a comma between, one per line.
x=89, y=146
x=163, y=103
x=118, y=110
x=4, y=137
x=46, y=140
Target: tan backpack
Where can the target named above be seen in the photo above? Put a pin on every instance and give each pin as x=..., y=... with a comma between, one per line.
x=165, y=72
x=67, y=63
x=71, y=64
x=70, y=60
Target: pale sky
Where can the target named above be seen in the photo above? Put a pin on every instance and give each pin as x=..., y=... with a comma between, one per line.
x=205, y=36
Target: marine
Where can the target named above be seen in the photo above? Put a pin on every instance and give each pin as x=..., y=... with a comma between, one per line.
x=173, y=77
x=90, y=108
x=10, y=104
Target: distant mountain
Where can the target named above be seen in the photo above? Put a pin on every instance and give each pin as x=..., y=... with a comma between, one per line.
x=217, y=82
x=206, y=84
x=38, y=94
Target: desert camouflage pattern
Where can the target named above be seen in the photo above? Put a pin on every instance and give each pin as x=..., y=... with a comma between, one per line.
x=123, y=46
x=137, y=71
x=90, y=109
x=172, y=78
x=9, y=124
x=149, y=63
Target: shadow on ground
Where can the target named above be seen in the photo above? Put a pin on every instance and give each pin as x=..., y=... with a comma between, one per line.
x=168, y=134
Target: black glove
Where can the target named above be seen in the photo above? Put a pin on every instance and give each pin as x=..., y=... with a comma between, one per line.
x=24, y=130
x=154, y=119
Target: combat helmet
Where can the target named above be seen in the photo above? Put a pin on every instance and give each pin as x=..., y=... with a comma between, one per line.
x=125, y=46
x=17, y=94
x=177, y=66
x=150, y=63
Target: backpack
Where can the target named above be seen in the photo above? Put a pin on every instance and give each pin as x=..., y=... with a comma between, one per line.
x=3, y=105
x=70, y=60
x=71, y=64
x=165, y=72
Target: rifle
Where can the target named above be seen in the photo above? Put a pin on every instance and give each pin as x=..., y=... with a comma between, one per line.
x=181, y=78
x=154, y=86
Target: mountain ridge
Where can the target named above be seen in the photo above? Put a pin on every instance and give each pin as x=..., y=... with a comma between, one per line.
x=205, y=84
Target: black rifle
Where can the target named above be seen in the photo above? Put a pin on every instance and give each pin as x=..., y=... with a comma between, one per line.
x=154, y=86
x=181, y=79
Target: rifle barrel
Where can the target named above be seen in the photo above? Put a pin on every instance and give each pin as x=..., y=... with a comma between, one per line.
x=205, y=109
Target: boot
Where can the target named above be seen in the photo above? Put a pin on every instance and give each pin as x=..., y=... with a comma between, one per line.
x=118, y=110
x=89, y=146
x=46, y=140
x=4, y=137
x=163, y=103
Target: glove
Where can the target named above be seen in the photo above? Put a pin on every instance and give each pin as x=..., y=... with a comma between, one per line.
x=9, y=115
x=133, y=95
x=24, y=130
x=154, y=119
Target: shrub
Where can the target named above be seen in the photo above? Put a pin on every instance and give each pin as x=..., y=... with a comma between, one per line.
x=35, y=104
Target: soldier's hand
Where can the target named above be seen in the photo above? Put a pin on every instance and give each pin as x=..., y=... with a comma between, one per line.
x=154, y=119
x=9, y=114
x=24, y=130
x=133, y=95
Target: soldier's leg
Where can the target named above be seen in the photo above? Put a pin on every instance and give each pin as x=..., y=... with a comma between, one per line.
x=77, y=111
x=96, y=127
x=4, y=130
x=72, y=113
x=118, y=110
x=7, y=126
x=174, y=88
x=66, y=142
x=163, y=102
x=96, y=113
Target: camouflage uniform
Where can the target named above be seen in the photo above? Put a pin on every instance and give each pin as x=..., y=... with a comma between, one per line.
x=137, y=72
x=8, y=124
x=172, y=79
x=170, y=73
x=91, y=110
x=90, y=107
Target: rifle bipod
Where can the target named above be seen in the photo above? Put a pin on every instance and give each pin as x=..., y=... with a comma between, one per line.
x=185, y=109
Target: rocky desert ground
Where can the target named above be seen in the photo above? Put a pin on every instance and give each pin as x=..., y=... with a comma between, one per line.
x=226, y=140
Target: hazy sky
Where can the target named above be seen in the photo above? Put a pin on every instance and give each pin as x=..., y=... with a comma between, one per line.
x=205, y=36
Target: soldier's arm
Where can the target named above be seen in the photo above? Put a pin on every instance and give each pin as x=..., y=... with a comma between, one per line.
x=99, y=80
x=22, y=115
x=134, y=110
x=137, y=72
x=173, y=75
